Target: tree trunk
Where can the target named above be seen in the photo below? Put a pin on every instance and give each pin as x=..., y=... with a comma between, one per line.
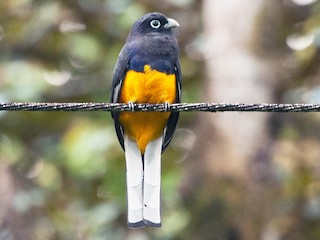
x=232, y=151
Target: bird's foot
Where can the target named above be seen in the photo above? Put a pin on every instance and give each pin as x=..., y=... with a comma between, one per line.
x=166, y=106
x=131, y=106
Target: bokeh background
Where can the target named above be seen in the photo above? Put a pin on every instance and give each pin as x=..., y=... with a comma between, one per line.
x=226, y=176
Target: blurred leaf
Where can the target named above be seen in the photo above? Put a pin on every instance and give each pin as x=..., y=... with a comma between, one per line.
x=84, y=50
x=84, y=147
x=24, y=81
x=11, y=149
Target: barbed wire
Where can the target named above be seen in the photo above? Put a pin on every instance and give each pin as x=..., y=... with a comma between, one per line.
x=176, y=107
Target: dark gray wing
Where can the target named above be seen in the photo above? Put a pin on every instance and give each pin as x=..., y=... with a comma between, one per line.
x=118, y=76
x=173, y=119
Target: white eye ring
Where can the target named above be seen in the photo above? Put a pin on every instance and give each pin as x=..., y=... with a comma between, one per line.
x=155, y=24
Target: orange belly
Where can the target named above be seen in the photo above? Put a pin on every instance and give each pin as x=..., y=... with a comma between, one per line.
x=149, y=86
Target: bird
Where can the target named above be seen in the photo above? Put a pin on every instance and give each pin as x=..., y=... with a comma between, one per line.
x=147, y=71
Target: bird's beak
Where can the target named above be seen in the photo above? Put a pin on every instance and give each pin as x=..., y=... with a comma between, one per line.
x=171, y=24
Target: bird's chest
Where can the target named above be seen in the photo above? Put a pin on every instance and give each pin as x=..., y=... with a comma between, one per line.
x=148, y=86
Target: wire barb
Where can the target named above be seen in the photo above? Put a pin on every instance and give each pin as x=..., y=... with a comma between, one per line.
x=146, y=107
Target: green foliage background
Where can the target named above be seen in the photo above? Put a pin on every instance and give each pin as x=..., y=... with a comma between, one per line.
x=67, y=170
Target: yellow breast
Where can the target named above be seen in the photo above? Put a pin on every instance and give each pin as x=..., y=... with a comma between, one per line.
x=150, y=86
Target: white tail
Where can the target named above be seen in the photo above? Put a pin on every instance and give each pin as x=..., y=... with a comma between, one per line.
x=152, y=183
x=134, y=183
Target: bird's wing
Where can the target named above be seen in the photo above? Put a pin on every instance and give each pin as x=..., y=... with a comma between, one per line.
x=173, y=119
x=118, y=77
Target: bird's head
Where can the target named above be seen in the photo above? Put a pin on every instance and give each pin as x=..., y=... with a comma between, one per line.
x=153, y=23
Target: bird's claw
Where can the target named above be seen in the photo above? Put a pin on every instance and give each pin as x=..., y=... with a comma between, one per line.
x=166, y=106
x=131, y=106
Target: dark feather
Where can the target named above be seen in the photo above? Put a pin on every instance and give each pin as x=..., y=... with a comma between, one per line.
x=173, y=120
x=118, y=76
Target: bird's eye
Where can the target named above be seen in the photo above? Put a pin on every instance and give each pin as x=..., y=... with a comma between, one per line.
x=155, y=24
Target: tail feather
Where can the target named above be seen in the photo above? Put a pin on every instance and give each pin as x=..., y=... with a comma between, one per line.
x=134, y=183
x=152, y=183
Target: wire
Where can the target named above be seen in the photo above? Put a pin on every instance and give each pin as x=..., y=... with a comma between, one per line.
x=146, y=107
